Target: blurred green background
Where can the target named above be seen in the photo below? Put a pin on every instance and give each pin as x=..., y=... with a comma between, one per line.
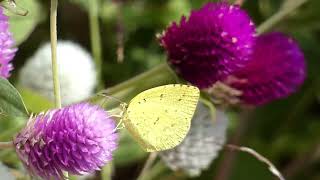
x=285, y=131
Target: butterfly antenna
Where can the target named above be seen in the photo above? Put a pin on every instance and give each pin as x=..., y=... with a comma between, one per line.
x=103, y=94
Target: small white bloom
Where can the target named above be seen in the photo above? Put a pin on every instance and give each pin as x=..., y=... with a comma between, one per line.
x=76, y=70
x=202, y=144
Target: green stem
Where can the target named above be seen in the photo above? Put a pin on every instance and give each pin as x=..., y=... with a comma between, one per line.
x=106, y=173
x=53, y=35
x=159, y=75
x=156, y=172
x=140, y=78
x=282, y=13
x=55, y=67
x=6, y=145
x=152, y=157
x=96, y=39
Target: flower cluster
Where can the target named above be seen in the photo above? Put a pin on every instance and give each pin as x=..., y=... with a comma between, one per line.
x=202, y=144
x=7, y=50
x=212, y=43
x=218, y=43
x=78, y=139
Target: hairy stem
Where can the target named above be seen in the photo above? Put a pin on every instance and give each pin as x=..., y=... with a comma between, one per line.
x=152, y=157
x=6, y=145
x=55, y=69
x=95, y=38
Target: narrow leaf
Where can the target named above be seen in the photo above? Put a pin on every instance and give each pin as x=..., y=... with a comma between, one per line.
x=11, y=103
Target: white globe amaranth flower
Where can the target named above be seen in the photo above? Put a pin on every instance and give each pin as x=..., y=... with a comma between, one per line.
x=5, y=173
x=76, y=71
x=202, y=144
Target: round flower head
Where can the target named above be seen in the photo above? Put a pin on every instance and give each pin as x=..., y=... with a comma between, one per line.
x=202, y=144
x=215, y=41
x=7, y=52
x=76, y=70
x=79, y=139
x=276, y=70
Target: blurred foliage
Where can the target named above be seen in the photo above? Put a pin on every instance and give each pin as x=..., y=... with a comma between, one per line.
x=283, y=131
x=22, y=26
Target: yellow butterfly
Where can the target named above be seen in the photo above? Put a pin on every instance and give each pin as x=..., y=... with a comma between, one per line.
x=160, y=118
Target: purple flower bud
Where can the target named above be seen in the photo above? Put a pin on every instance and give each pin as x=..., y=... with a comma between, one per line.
x=214, y=42
x=7, y=52
x=276, y=70
x=79, y=139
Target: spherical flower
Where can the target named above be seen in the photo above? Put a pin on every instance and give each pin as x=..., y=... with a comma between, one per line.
x=276, y=70
x=76, y=69
x=79, y=139
x=202, y=144
x=7, y=50
x=214, y=42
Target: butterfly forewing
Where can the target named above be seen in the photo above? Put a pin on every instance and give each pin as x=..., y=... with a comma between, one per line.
x=160, y=118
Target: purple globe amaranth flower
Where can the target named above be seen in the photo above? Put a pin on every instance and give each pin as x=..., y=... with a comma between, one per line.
x=7, y=52
x=79, y=139
x=276, y=70
x=214, y=42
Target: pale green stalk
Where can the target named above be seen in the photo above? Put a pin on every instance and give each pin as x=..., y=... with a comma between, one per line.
x=6, y=145
x=55, y=67
x=287, y=7
x=95, y=38
x=147, y=166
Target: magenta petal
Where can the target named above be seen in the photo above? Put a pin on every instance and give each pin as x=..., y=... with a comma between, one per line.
x=7, y=50
x=75, y=138
x=276, y=70
x=213, y=42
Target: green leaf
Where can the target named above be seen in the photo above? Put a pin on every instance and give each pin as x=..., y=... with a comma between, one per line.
x=11, y=103
x=22, y=26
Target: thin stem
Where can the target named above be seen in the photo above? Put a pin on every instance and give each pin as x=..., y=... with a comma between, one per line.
x=272, y=168
x=225, y=167
x=152, y=157
x=106, y=173
x=53, y=35
x=55, y=67
x=120, y=33
x=6, y=145
x=96, y=39
x=136, y=79
x=286, y=9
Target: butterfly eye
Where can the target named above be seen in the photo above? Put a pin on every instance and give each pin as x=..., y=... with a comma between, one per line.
x=11, y=6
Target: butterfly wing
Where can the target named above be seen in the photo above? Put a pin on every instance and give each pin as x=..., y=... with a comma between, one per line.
x=160, y=118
